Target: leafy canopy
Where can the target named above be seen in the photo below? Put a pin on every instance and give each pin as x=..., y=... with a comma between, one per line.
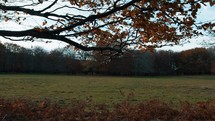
x=113, y=25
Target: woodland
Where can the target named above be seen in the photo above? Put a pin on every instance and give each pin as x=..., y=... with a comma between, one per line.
x=116, y=37
x=16, y=59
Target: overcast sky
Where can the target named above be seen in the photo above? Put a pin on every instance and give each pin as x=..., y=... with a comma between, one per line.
x=205, y=14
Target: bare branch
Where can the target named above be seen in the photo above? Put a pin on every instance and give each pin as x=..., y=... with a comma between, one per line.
x=48, y=7
x=31, y=11
x=98, y=16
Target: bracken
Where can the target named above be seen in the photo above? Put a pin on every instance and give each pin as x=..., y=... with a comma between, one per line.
x=85, y=110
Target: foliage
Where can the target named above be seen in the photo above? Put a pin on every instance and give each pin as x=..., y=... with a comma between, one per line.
x=195, y=61
x=44, y=110
x=16, y=59
x=114, y=25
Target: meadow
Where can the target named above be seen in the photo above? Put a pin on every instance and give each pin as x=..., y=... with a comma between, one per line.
x=107, y=89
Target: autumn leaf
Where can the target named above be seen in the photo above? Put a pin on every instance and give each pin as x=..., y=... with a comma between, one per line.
x=212, y=3
x=6, y=19
x=44, y=23
x=80, y=4
x=38, y=29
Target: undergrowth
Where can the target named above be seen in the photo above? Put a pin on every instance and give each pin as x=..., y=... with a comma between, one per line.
x=86, y=110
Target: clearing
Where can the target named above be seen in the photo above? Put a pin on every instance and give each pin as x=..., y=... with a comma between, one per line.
x=106, y=89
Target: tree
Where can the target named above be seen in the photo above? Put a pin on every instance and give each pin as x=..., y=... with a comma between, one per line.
x=213, y=67
x=57, y=61
x=195, y=61
x=2, y=57
x=144, y=63
x=211, y=50
x=120, y=65
x=165, y=62
x=113, y=25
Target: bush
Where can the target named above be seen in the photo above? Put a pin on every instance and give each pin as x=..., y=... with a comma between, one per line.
x=154, y=110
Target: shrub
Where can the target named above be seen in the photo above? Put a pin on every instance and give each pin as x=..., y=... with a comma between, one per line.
x=153, y=110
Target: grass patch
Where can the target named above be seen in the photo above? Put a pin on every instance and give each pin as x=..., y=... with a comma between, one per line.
x=63, y=88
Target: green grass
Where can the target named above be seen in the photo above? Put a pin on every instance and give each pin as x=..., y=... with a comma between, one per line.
x=63, y=88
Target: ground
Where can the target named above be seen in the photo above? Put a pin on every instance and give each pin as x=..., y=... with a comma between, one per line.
x=63, y=88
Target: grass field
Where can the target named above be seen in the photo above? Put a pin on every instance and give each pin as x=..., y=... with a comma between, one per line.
x=63, y=88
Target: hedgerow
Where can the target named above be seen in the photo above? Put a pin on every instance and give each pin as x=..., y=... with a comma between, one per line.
x=85, y=110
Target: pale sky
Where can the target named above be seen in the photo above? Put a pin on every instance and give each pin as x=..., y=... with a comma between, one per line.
x=205, y=14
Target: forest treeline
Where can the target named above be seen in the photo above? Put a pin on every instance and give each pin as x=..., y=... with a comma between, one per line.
x=16, y=59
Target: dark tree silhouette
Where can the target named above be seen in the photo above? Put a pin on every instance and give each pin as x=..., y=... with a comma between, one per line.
x=195, y=61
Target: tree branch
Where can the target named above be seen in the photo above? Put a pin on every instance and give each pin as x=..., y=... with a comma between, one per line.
x=98, y=16
x=45, y=35
x=48, y=7
x=31, y=11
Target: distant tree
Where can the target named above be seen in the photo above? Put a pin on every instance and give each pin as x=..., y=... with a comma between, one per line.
x=113, y=25
x=39, y=51
x=14, y=47
x=73, y=66
x=212, y=52
x=195, y=61
x=144, y=63
x=121, y=65
x=165, y=62
x=213, y=67
x=89, y=67
x=83, y=55
x=16, y=59
x=40, y=60
x=2, y=57
x=56, y=61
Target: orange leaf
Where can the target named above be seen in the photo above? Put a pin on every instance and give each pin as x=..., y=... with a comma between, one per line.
x=80, y=4
x=44, y=23
x=6, y=19
x=38, y=29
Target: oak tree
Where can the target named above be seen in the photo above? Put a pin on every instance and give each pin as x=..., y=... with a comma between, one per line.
x=113, y=25
x=195, y=61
